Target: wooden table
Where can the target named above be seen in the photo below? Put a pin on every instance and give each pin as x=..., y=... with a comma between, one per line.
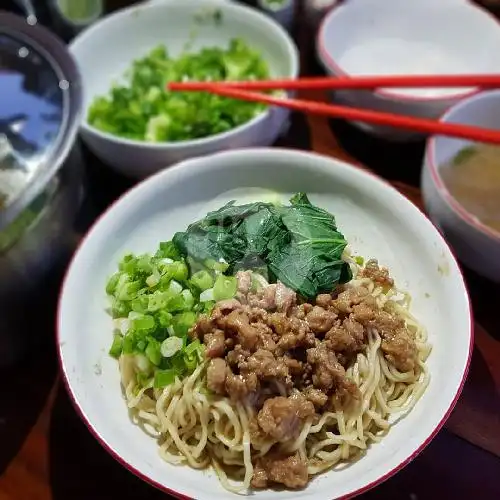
x=47, y=453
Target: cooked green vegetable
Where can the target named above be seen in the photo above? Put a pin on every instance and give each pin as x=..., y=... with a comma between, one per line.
x=464, y=154
x=142, y=109
x=298, y=244
x=154, y=304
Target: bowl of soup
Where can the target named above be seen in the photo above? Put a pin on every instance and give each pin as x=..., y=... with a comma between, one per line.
x=461, y=186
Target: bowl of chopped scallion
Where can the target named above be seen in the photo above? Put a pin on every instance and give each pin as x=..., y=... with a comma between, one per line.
x=134, y=124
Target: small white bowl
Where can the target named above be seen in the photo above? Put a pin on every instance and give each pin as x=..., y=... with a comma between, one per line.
x=475, y=244
x=379, y=37
x=377, y=221
x=105, y=51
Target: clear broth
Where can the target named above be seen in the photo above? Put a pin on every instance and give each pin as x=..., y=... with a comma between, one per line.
x=473, y=179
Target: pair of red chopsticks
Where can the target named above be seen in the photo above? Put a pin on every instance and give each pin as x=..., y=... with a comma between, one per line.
x=249, y=91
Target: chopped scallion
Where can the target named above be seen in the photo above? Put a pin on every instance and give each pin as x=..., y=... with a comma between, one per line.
x=117, y=346
x=207, y=295
x=154, y=304
x=112, y=282
x=191, y=362
x=225, y=287
x=202, y=280
x=144, y=379
x=163, y=378
x=170, y=346
x=188, y=299
x=142, y=363
x=359, y=260
x=183, y=322
x=220, y=267
x=141, y=109
x=153, y=352
x=143, y=322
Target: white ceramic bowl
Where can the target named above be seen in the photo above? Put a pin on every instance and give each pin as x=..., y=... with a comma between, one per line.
x=107, y=48
x=377, y=221
x=377, y=37
x=475, y=244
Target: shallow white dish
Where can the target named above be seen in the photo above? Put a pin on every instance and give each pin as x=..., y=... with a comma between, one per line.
x=377, y=37
x=106, y=50
x=475, y=244
x=376, y=220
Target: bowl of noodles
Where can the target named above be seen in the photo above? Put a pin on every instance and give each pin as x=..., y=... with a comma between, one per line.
x=264, y=322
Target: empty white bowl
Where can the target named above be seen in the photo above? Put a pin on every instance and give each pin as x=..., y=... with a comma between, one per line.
x=377, y=221
x=475, y=244
x=379, y=37
x=105, y=51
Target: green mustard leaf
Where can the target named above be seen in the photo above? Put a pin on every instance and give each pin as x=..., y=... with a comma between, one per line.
x=231, y=213
x=298, y=244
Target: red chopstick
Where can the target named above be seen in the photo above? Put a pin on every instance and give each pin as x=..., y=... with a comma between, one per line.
x=358, y=82
x=407, y=122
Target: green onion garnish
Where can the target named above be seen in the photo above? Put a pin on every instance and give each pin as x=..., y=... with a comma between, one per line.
x=162, y=378
x=155, y=303
x=142, y=109
x=225, y=287
x=171, y=346
x=117, y=346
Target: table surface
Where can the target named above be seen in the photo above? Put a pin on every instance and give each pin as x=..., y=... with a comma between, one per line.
x=47, y=453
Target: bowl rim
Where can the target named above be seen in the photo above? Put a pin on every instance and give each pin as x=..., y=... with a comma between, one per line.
x=277, y=152
x=263, y=19
x=330, y=63
x=431, y=154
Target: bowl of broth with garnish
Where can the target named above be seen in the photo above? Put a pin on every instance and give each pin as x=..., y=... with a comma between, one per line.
x=461, y=186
